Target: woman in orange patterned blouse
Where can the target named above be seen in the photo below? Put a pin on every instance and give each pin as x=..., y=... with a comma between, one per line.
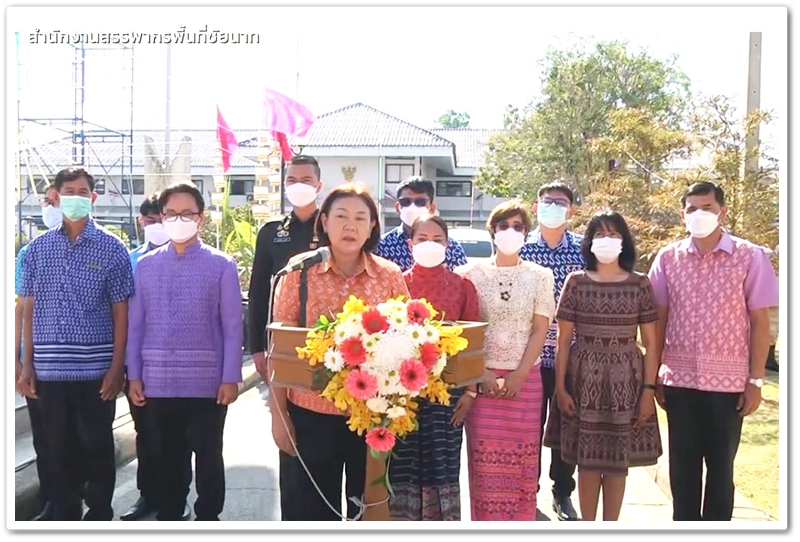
x=348, y=224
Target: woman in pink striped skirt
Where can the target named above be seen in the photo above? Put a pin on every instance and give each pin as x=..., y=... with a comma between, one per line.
x=503, y=426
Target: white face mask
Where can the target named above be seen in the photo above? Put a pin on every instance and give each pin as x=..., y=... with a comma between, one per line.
x=701, y=223
x=606, y=249
x=509, y=241
x=180, y=231
x=551, y=216
x=428, y=253
x=300, y=195
x=409, y=214
x=155, y=235
x=52, y=217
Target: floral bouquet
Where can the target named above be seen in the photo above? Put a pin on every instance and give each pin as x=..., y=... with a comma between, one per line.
x=379, y=360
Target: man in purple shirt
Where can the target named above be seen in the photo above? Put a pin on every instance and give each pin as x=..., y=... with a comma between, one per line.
x=713, y=292
x=185, y=352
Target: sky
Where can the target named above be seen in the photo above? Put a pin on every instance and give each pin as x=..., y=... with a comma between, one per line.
x=413, y=63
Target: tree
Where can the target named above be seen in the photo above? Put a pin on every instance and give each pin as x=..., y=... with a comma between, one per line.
x=454, y=119
x=751, y=196
x=581, y=91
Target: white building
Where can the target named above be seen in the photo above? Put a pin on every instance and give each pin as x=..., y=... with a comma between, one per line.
x=356, y=142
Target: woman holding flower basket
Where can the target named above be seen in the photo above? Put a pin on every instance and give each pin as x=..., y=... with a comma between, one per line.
x=503, y=426
x=425, y=471
x=348, y=223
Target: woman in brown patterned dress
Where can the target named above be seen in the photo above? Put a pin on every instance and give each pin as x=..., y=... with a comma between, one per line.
x=604, y=420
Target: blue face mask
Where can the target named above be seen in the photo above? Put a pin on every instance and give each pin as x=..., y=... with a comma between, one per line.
x=552, y=215
x=75, y=207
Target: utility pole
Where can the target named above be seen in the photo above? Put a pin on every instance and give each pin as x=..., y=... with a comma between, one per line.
x=753, y=104
x=169, y=81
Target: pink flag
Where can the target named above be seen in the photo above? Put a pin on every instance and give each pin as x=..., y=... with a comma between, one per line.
x=226, y=140
x=284, y=115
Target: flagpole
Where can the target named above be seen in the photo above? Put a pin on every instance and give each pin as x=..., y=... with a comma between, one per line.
x=297, y=65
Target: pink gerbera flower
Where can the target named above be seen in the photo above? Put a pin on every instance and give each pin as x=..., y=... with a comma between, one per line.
x=353, y=351
x=374, y=322
x=380, y=439
x=361, y=385
x=413, y=375
x=417, y=312
x=429, y=355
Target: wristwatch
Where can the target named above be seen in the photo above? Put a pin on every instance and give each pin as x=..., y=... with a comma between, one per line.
x=757, y=382
x=472, y=394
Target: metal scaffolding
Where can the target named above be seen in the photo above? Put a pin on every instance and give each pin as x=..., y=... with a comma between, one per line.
x=84, y=135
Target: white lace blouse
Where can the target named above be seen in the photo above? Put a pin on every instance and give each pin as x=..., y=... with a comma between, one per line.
x=509, y=298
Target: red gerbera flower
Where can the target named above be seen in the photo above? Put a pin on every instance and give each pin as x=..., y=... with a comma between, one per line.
x=380, y=439
x=418, y=312
x=429, y=355
x=361, y=385
x=374, y=322
x=413, y=375
x=353, y=351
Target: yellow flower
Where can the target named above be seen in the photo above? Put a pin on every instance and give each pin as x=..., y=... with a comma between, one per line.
x=436, y=391
x=361, y=418
x=336, y=393
x=353, y=306
x=401, y=426
x=317, y=344
x=450, y=340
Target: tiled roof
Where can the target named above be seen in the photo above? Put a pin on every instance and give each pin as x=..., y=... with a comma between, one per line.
x=109, y=152
x=360, y=125
x=471, y=143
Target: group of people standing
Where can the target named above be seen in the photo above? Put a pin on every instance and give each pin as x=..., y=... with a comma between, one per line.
x=171, y=335
x=564, y=367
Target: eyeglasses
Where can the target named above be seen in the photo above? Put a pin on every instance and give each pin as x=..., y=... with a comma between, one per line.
x=558, y=201
x=186, y=216
x=419, y=202
x=503, y=226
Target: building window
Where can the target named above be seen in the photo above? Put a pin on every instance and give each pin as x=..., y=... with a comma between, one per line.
x=100, y=186
x=241, y=186
x=198, y=182
x=138, y=186
x=396, y=173
x=454, y=189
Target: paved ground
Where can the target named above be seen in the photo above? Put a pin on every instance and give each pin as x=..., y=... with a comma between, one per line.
x=252, y=475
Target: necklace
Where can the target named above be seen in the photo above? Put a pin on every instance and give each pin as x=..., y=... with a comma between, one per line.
x=506, y=287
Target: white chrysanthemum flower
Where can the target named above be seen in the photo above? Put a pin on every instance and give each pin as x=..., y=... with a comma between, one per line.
x=393, y=348
x=417, y=334
x=371, y=342
x=396, y=412
x=402, y=401
x=431, y=334
x=439, y=365
x=390, y=385
x=334, y=361
x=378, y=404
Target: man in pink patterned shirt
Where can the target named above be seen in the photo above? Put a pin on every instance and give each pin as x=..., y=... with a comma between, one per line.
x=713, y=291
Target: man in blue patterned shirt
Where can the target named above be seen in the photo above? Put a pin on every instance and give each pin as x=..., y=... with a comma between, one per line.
x=51, y=216
x=76, y=286
x=552, y=245
x=414, y=199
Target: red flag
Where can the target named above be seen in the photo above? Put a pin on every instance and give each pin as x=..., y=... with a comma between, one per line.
x=286, y=150
x=226, y=140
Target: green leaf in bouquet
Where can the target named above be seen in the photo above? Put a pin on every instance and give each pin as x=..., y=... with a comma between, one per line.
x=389, y=484
x=378, y=455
